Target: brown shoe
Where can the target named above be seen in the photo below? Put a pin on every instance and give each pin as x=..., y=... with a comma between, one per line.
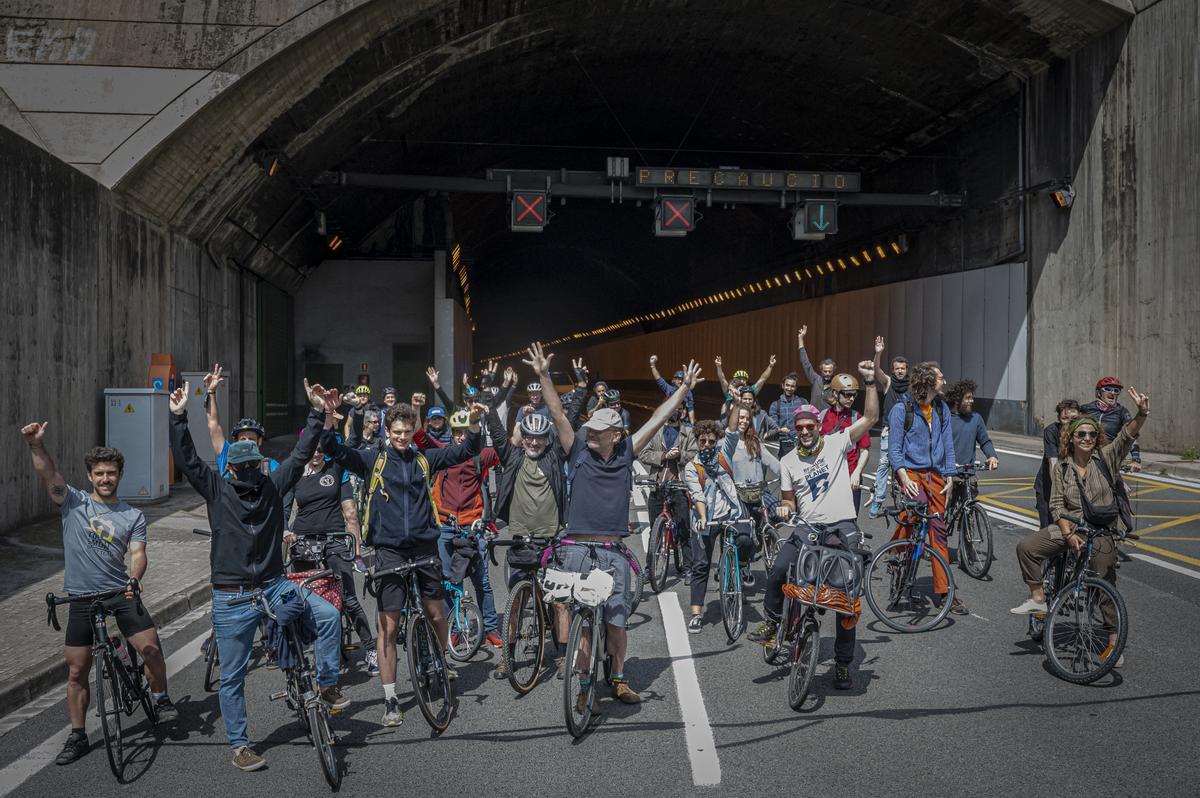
x=245, y=759
x=625, y=694
x=581, y=703
x=333, y=699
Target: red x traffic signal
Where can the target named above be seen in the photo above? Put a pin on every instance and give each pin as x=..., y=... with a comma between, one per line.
x=528, y=211
x=674, y=216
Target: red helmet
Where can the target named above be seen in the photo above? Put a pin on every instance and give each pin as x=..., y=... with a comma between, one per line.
x=1108, y=382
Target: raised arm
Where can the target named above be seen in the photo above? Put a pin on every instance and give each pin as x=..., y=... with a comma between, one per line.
x=721, y=376
x=434, y=380
x=883, y=380
x=691, y=378
x=460, y=452
x=539, y=361
x=35, y=435
x=805, y=363
x=195, y=470
x=766, y=375
x=866, y=370
x=318, y=426
x=216, y=435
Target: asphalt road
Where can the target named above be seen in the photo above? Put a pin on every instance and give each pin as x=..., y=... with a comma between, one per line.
x=966, y=709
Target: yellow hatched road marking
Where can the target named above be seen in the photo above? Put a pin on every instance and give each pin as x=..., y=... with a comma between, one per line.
x=1007, y=506
x=1164, y=552
x=1012, y=492
x=1140, y=492
x=1171, y=538
x=1140, y=481
x=1168, y=524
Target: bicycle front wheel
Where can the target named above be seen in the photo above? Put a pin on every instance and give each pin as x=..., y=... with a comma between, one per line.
x=900, y=587
x=581, y=673
x=732, y=607
x=523, y=638
x=212, y=671
x=322, y=740
x=427, y=669
x=109, y=707
x=658, y=556
x=638, y=577
x=466, y=630
x=975, y=542
x=770, y=546
x=808, y=649
x=1076, y=634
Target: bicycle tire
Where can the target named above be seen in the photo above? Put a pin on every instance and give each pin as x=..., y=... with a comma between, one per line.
x=733, y=613
x=975, y=541
x=466, y=627
x=775, y=649
x=109, y=708
x=770, y=546
x=808, y=650
x=578, y=721
x=899, y=585
x=1070, y=638
x=427, y=670
x=140, y=688
x=322, y=740
x=212, y=661
x=658, y=556
x=638, y=576
x=677, y=545
x=524, y=632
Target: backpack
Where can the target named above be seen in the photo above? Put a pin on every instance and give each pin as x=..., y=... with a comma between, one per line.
x=720, y=459
x=910, y=411
x=376, y=484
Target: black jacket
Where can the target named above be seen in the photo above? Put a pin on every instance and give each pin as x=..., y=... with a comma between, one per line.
x=247, y=520
x=550, y=463
x=1113, y=421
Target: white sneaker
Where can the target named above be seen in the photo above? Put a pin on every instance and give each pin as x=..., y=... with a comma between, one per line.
x=1029, y=607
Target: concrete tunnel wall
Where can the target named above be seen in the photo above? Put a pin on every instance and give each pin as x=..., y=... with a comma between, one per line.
x=89, y=290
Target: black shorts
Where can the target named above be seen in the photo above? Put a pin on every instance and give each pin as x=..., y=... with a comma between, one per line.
x=131, y=616
x=391, y=591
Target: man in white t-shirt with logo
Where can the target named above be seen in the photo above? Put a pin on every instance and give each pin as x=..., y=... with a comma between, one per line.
x=815, y=484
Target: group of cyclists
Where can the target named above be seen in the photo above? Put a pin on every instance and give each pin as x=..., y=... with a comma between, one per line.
x=408, y=482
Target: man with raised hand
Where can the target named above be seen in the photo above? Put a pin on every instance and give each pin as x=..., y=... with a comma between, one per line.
x=600, y=478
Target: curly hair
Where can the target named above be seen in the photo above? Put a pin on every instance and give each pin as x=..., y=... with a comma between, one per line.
x=103, y=454
x=1066, y=444
x=923, y=381
x=958, y=390
x=710, y=427
x=400, y=412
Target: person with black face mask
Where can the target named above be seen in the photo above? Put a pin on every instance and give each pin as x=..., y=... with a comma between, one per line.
x=246, y=515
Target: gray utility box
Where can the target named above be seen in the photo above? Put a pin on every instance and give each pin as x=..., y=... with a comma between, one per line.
x=135, y=421
x=198, y=413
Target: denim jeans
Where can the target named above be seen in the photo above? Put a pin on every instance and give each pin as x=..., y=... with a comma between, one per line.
x=480, y=578
x=235, y=628
x=882, y=473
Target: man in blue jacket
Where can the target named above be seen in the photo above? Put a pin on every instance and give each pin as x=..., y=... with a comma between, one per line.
x=782, y=410
x=401, y=522
x=921, y=455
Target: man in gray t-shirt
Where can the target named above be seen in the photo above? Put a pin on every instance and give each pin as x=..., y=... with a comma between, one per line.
x=98, y=529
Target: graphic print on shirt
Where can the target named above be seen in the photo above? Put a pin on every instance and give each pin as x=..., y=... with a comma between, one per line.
x=103, y=531
x=327, y=480
x=816, y=477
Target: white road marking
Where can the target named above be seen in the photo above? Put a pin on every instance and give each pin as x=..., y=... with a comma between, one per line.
x=20, y=770
x=1187, y=483
x=1019, y=454
x=1170, y=566
x=701, y=746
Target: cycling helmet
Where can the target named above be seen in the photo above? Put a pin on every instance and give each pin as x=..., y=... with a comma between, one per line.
x=533, y=387
x=806, y=411
x=247, y=425
x=679, y=375
x=386, y=391
x=460, y=420
x=363, y=390
x=741, y=374
x=535, y=425
x=1109, y=382
x=471, y=391
x=844, y=382
x=612, y=396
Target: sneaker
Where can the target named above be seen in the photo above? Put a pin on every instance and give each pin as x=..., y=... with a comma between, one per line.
x=841, y=677
x=1029, y=607
x=333, y=699
x=747, y=579
x=76, y=746
x=493, y=640
x=451, y=674
x=500, y=672
x=765, y=632
x=581, y=703
x=372, y=660
x=694, y=625
x=876, y=509
x=625, y=694
x=393, y=715
x=558, y=666
x=1108, y=653
x=958, y=608
x=247, y=760
x=167, y=713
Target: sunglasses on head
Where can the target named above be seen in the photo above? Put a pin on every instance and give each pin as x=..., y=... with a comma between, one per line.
x=1087, y=435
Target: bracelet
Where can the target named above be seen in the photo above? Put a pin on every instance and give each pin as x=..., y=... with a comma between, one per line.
x=868, y=382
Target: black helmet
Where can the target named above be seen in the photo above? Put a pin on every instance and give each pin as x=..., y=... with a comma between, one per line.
x=612, y=396
x=247, y=425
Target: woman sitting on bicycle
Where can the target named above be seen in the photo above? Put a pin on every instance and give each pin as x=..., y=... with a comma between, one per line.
x=1084, y=454
x=752, y=465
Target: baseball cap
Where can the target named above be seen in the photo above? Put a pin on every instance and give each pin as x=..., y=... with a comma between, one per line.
x=605, y=419
x=363, y=390
x=437, y=411
x=244, y=452
x=806, y=411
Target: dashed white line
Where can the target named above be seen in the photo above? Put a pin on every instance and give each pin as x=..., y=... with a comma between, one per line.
x=698, y=733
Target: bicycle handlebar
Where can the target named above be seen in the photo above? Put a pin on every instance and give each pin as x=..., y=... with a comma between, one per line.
x=52, y=601
x=515, y=540
x=1092, y=531
x=405, y=567
x=202, y=532
x=794, y=520
x=915, y=508
x=256, y=595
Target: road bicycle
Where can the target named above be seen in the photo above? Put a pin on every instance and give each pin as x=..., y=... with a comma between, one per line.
x=666, y=542
x=733, y=599
x=426, y=664
x=527, y=616
x=761, y=504
x=1073, y=631
x=301, y=692
x=966, y=517
x=121, y=687
x=899, y=589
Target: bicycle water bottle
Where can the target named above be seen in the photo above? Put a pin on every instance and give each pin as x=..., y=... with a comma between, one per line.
x=122, y=652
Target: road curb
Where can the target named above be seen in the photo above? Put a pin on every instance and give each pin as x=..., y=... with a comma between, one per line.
x=52, y=671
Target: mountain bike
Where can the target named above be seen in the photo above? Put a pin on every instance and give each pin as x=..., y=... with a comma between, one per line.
x=1076, y=635
x=966, y=517
x=899, y=590
x=665, y=540
x=121, y=686
x=301, y=693
x=527, y=617
x=426, y=664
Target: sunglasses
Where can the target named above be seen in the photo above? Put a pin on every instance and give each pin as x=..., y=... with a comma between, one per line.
x=806, y=427
x=847, y=394
x=1110, y=390
x=1084, y=435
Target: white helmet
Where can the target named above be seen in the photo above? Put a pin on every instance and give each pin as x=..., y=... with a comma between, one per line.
x=595, y=588
x=533, y=387
x=535, y=425
x=556, y=584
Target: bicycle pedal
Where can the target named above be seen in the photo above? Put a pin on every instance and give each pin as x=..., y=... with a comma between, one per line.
x=279, y=695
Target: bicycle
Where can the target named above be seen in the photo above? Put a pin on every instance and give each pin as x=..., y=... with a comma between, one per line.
x=121, y=686
x=895, y=575
x=1072, y=631
x=465, y=618
x=527, y=616
x=733, y=600
x=966, y=516
x=426, y=665
x=301, y=692
x=317, y=548
x=800, y=624
x=754, y=494
x=665, y=540
x=212, y=657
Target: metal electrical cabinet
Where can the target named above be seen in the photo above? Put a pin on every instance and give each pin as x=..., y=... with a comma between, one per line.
x=198, y=413
x=135, y=421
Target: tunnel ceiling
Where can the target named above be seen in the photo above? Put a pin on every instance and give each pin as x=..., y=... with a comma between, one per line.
x=455, y=89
